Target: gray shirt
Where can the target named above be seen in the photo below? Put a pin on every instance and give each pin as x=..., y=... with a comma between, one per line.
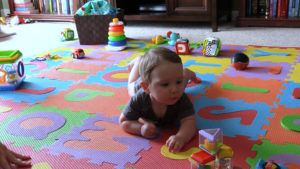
x=140, y=106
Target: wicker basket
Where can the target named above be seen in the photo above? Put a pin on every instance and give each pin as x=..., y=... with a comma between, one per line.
x=93, y=29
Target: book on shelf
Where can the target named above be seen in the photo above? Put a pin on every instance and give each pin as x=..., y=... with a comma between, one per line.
x=34, y=11
x=22, y=1
x=297, y=8
x=261, y=7
x=291, y=9
x=24, y=8
x=282, y=8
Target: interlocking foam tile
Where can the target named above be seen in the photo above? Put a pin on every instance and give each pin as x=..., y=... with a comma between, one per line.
x=286, y=97
x=290, y=58
x=125, y=62
x=233, y=117
x=91, y=98
x=43, y=160
x=294, y=75
x=100, y=139
x=230, y=50
x=114, y=76
x=154, y=159
x=38, y=84
x=282, y=154
x=241, y=146
x=273, y=87
x=39, y=126
x=35, y=66
x=258, y=69
x=199, y=89
x=12, y=108
x=74, y=71
x=204, y=65
x=276, y=133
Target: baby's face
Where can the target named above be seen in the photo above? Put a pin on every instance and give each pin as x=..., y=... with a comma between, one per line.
x=166, y=85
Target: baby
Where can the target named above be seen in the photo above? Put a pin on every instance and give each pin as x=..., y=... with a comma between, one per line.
x=156, y=83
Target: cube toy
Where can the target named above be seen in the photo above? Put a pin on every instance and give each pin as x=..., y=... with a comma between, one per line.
x=211, y=46
x=211, y=140
x=182, y=47
x=202, y=160
x=12, y=71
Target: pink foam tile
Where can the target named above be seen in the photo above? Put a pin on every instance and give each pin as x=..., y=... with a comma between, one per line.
x=55, y=73
x=14, y=108
x=62, y=160
x=109, y=105
x=154, y=159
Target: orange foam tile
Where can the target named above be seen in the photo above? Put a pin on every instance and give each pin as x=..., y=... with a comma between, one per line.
x=274, y=87
x=108, y=105
x=276, y=133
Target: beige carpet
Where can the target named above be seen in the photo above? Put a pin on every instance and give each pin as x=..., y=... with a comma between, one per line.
x=42, y=36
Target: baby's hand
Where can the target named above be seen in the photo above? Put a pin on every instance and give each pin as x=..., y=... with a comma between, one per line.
x=149, y=130
x=175, y=143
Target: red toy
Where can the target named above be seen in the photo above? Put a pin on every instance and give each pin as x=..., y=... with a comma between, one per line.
x=296, y=93
x=182, y=47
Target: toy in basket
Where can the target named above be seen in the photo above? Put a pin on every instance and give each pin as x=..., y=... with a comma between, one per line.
x=116, y=36
x=12, y=71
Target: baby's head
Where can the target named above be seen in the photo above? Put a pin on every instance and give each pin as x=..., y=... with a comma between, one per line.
x=153, y=58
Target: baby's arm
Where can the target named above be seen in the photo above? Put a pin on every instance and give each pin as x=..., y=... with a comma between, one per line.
x=186, y=131
x=138, y=127
x=9, y=158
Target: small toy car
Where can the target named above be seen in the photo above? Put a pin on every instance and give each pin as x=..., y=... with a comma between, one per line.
x=78, y=53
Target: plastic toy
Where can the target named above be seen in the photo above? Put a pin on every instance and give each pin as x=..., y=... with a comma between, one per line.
x=213, y=154
x=78, y=53
x=240, y=61
x=211, y=46
x=12, y=71
x=202, y=160
x=172, y=38
x=158, y=39
x=182, y=47
x=296, y=93
x=67, y=34
x=116, y=36
x=211, y=140
x=269, y=165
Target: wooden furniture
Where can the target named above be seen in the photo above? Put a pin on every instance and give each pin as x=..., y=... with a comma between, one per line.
x=179, y=10
x=261, y=21
x=176, y=10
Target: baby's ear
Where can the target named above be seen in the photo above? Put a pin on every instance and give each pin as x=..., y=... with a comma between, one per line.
x=145, y=86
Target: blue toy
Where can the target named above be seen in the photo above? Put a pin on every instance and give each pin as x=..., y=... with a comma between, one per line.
x=262, y=164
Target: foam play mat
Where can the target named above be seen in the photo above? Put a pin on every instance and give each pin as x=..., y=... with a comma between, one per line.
x=65, y=112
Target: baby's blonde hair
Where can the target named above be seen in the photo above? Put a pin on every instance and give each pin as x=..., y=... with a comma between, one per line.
x=153, y=58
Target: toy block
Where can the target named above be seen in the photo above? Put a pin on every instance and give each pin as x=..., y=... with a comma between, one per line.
x=296, y=93
x=210, y=140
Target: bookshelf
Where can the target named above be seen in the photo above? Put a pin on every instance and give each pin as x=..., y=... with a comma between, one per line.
x=261, y=21
x=145, y=10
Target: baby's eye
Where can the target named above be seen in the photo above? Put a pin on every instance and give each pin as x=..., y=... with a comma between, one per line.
x=164, y=84
x=178, y=81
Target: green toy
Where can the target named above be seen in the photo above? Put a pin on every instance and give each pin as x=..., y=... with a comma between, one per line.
x=67, y=34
